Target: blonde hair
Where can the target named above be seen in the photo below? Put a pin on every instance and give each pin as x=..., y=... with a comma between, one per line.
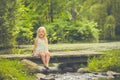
x=45, y=34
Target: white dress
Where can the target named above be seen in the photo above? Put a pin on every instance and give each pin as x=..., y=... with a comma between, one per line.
x=41, y=47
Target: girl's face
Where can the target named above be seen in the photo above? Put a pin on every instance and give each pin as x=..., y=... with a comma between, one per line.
x=41, y=33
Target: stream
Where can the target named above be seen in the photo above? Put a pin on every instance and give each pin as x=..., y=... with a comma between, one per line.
x=69, y=74
x=79, y=76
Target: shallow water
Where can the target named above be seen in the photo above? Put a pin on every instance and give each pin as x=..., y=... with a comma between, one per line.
x=86, y=76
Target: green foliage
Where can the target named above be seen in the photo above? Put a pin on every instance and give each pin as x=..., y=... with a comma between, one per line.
x=24, y=23
x=99, y=14
x=116, y=11
x=7, y=24
x=13, y=70
x=102, y=9
x=88, y=30
x=110, y=28
x=66, y=21
x=109, y=61
x=64, y=31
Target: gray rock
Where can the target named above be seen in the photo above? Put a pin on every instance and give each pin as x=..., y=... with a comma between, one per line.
x=31, y=66
x=112, y=73
x=83, y=70
x=40, y=75
x=48, y=77
x=50, y=70
x=68, y=69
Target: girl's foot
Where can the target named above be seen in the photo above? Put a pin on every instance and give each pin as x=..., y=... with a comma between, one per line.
x=46, y=67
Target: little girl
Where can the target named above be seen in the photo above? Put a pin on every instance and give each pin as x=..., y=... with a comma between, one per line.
x=41, y=47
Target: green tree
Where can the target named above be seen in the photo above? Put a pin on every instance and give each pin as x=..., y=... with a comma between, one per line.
x=110, y=28
x=26, y=18
x=115, y=12
x=99, y=14
x=102, y=9
x=7, y=24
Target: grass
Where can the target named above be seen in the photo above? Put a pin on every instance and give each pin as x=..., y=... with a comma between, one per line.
x=26, y=49
x=67, y=47
x=13, y=70
x=109, y=61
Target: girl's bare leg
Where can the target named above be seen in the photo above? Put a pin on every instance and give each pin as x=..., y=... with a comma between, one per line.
x=42, y=55
x=47, y=59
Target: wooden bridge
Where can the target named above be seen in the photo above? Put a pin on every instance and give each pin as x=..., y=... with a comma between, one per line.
x=57, y=57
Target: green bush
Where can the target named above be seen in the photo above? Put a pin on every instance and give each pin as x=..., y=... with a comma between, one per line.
x=109, y=61
x=13, y=70
x=64, y=31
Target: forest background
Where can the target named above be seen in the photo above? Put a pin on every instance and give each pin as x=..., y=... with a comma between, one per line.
x=68, y=21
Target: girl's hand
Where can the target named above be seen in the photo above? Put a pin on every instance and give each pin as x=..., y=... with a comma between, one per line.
x=33, y=54
x=47, y=51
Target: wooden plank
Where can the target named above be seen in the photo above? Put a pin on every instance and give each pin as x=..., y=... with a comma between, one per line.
x=73, y=56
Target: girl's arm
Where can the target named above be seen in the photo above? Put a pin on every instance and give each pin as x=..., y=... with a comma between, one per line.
x=46, y=41
x=35, y=45
x=47, y=44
